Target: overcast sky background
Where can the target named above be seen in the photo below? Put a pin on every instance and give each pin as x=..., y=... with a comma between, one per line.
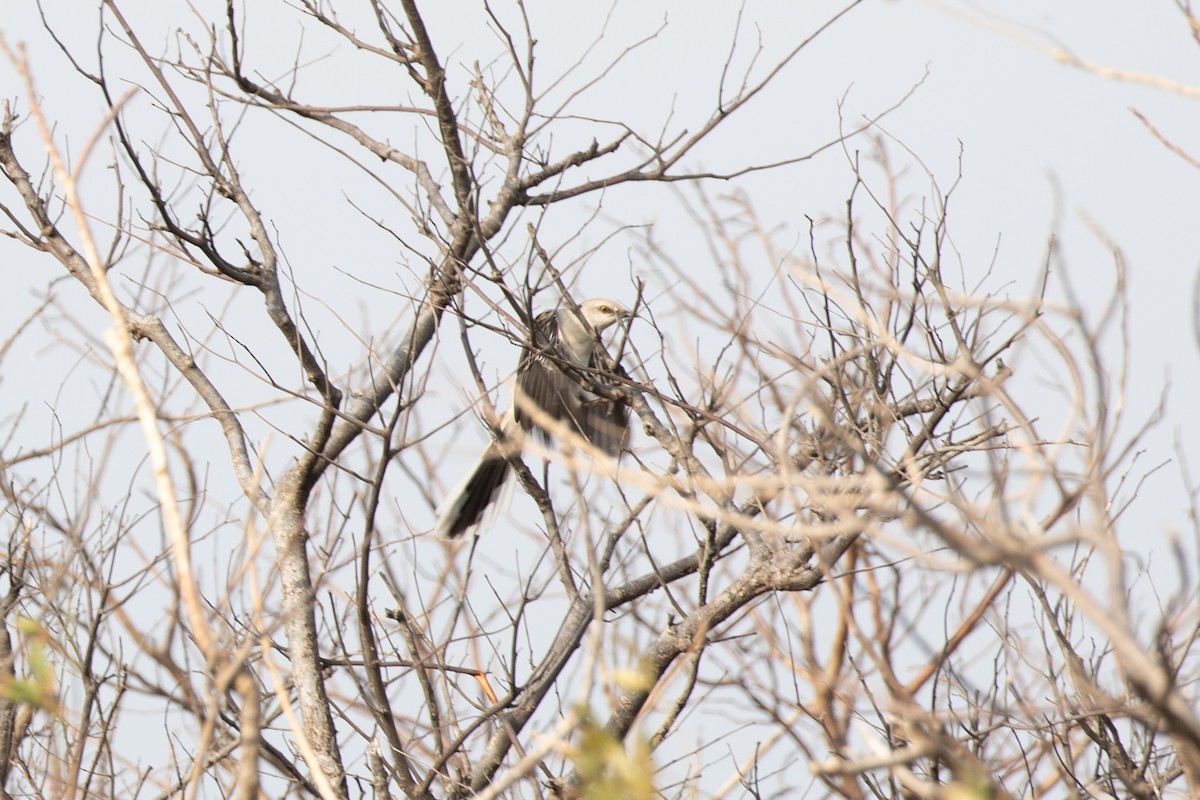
x=1043, y=145
x=1043, y=149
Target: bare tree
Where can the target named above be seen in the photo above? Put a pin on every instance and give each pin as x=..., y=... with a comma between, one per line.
x=856, y=550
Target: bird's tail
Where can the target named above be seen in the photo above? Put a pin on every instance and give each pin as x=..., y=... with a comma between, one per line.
x=465, y=507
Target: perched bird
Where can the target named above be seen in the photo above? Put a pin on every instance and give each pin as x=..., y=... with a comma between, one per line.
x=560, y=340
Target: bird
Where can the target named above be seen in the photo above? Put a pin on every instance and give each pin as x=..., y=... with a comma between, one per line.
x=555, y=365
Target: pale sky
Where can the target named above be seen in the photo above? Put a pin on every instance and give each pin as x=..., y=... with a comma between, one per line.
x=1044, y=148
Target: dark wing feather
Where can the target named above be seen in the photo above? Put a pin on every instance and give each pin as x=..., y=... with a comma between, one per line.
x=605, y=422
x=542, y=381
x=544, y=384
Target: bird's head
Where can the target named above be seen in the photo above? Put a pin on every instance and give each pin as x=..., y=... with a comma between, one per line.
x=601, y=312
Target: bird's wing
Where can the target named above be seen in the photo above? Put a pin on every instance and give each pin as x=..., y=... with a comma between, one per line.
x=604, y=422
x=541, y=380
x=543, y=383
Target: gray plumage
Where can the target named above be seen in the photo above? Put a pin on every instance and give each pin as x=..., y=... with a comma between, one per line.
x=559, y=341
